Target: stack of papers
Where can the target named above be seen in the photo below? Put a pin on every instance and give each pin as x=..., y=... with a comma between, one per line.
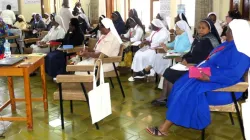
x=137, y=43
x=179, y=67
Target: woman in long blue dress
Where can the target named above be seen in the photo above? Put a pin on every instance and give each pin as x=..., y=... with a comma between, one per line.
x=3, y=34
x=188, y=104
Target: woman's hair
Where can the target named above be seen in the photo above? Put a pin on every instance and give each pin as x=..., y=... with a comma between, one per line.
x=234, y=15
x=74, y=22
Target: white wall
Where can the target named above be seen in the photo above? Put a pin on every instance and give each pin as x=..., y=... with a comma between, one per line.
x=28, y=9
x=221, y=7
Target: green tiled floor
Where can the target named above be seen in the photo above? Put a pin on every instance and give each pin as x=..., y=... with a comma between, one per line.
x=129, y=118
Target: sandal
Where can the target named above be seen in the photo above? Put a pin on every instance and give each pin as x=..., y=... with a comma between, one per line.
x=158, y=103
x=155, y=132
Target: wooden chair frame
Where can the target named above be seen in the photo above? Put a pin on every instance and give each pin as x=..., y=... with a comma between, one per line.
x=240, y=87
x=74, y=79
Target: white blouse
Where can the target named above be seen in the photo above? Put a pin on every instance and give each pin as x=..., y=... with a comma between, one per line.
x=135, y=34
x=54, y=34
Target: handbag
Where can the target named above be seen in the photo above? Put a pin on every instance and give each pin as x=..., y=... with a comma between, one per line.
x=195, y=72
x=99, y=97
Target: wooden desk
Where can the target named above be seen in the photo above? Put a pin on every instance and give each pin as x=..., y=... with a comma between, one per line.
x=35, y=62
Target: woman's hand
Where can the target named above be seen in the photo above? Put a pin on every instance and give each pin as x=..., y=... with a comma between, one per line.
x=184, y=62
x=164, y=47
x=83, y=53
x=204, y=77
x=171, y=31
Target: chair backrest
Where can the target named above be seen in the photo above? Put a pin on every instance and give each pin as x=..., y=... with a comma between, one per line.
x=43, y=34
x=92, y=43
x=121, y=50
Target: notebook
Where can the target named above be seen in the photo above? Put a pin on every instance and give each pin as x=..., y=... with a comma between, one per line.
x=66, y=47
x=11, y=61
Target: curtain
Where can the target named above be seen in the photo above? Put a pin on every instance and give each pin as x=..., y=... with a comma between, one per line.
x=202, y=8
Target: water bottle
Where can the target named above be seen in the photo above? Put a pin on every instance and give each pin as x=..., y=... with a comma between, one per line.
x=7, y=52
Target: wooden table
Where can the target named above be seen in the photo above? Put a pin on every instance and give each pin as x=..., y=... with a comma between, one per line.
x=33, y=63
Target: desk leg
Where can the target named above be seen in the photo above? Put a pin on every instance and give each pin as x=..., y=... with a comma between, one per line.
x=44, y=86
x=28, y=99
x=11, y=93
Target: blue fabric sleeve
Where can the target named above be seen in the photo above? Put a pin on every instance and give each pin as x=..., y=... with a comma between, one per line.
x=182, y=43
x=171, y=44
x=220, y=75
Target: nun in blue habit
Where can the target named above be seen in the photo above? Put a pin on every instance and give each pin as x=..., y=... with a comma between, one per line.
x=189, y=100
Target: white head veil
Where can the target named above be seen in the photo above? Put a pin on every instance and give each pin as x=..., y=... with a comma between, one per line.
x=59, y=20
x=241, y=32
x=158, y=23
x=108, y=24
x=184, y=27
x=180, y=16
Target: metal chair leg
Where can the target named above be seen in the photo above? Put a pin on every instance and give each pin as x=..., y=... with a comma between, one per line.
x=111, y=82
x=71, y=106
x=238, y=115
x=87, y=99
x=61, y=104
x=231, y=118
x=119, y=81
x=203, y=134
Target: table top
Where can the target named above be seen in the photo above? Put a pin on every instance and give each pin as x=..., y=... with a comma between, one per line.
x=30, y=60
x=30, y=64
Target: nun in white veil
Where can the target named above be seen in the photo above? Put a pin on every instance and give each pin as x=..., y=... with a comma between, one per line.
x=108, y=45
x=57, y=32
x=214, y=18
x=146, y=54
x=181, y=44
x=241, y=33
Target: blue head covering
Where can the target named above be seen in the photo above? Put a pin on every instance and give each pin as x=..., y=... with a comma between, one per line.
x=212, y=28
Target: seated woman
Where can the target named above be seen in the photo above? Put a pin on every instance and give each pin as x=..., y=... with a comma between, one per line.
x=216, y=22
x=56, y=33
x=118, y=22
x=230, y=17
x=21, y=23
x=181, y=44
x=3, y=33
x=46, y=19
x=188, y=104
x=75, y=37
x=108, y=45
x=36, y=26
x=135, y=33
x=145, y=55
x=203, y=44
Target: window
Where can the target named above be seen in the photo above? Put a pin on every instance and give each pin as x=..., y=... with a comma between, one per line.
x=189, y=10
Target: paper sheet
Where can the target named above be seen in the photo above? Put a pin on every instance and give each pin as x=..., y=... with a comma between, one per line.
x=173, y=54
x=179, y=67
x=137, y=43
